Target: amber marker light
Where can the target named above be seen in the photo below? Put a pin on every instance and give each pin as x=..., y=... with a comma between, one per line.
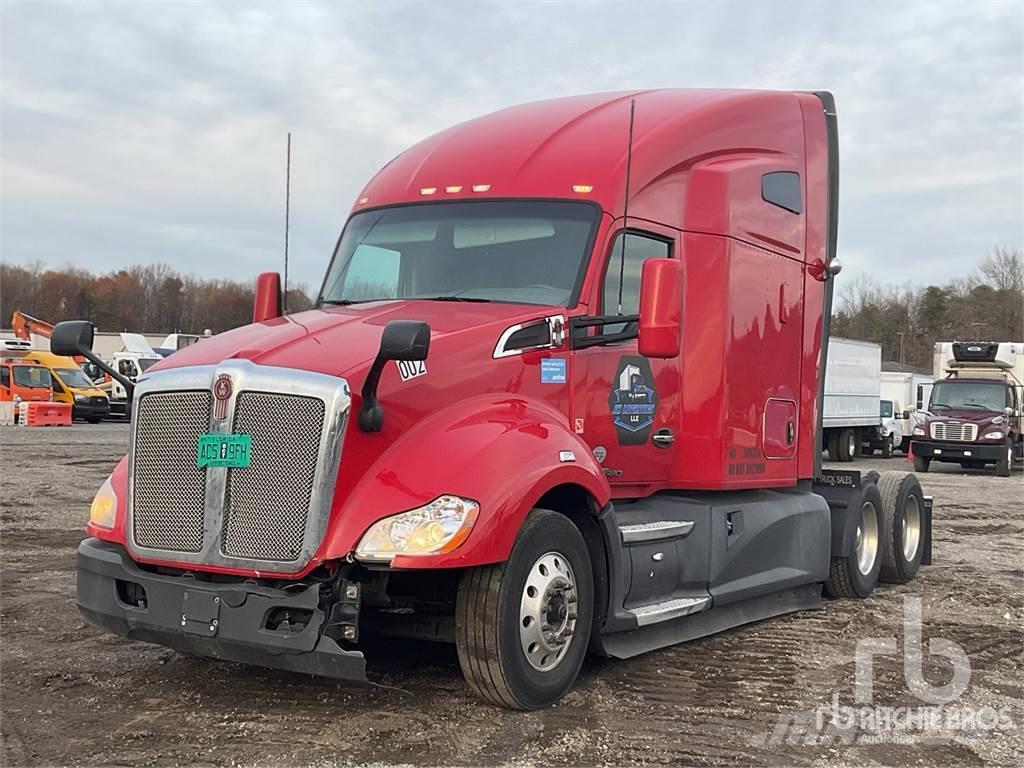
x=583, y=189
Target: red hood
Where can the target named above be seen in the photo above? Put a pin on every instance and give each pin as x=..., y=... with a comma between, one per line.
x=338, y=340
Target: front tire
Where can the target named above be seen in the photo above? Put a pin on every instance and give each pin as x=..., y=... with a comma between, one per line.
x=921, y=463
x=1005, y=465
x=889, y=447
x=522, y=627
x=848, y=444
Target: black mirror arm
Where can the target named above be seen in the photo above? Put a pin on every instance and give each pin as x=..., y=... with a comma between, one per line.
x=371, y=415
x=93, y=358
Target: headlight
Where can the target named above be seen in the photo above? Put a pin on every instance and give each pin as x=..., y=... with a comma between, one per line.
x=992, y=436
x=440, y=526
x=918, y=431
x=81, y=399
x=104, y=506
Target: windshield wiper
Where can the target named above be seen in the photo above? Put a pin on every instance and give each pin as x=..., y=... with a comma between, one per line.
x=451, y=298
x=975, y=405
x=941, y=405
x=346, y=302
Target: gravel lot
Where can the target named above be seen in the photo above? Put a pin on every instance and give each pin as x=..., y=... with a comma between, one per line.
x=73, y=695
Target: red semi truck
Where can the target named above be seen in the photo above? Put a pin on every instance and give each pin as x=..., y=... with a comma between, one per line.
x=561, y=393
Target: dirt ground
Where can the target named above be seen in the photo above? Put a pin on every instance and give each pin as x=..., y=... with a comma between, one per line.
x=74, y=695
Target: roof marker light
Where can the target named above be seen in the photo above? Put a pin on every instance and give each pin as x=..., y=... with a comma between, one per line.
x=364, y=200
x=428, y=190
x=452, y=189
x=582, y=189
x=481, y=187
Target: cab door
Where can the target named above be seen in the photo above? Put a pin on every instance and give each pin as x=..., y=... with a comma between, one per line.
x=631, y=414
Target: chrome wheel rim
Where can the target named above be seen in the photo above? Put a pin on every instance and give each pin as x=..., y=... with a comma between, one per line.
x=911, y=528
x=547, y=611
x=867, y=538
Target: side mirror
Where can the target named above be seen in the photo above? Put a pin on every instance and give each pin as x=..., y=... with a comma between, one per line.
x=402, y=340
x=906, y=415
x=661, y=307
x=267, y=301
x=1008, y=411
x=74, y=337
x=405, y=340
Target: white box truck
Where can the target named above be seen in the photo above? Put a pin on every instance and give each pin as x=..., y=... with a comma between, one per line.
x=851, y=413
x=905, y=398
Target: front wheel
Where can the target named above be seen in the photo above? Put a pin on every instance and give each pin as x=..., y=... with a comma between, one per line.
x=921, y=463
x=522, y=627
x=1005, y=465
x=889, y=447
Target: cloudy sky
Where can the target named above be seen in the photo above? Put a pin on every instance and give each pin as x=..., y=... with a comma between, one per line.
x=143, y=131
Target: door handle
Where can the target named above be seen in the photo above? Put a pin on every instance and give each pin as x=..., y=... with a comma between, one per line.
x=790, y=432
x=663, y=438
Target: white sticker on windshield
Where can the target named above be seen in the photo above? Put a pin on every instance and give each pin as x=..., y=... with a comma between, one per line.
x=410, y=369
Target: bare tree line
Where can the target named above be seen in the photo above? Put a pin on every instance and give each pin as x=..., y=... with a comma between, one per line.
x=150, y=298
x=986, y=305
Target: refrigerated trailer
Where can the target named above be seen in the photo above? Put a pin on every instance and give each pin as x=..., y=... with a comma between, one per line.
x=560, y=393
x=853, y=422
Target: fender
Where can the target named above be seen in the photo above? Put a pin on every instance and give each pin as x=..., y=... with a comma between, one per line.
x=501, y=451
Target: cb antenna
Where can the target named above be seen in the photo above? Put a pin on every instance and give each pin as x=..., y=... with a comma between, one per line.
x=287, y=207
x=625, y=202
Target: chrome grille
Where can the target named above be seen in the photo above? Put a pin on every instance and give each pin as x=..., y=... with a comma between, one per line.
x=268, y=502
x=169, y=489
x=948, y=430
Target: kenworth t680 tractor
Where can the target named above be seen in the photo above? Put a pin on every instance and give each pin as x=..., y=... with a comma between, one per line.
x=560, y=394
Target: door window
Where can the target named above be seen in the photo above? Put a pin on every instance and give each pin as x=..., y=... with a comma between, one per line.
x=5, y=377
x=127, y=368
x=620, y=289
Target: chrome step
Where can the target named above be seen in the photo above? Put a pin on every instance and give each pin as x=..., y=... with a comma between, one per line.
x=670, y=609
x=662, y=529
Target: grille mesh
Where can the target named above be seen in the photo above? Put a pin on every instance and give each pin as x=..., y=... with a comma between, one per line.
x=169, y=489
x=952, y=431
x=268, y=501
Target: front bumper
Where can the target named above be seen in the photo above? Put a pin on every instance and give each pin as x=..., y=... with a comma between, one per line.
x=221, y=620
x=957, y=452
x=90, y=410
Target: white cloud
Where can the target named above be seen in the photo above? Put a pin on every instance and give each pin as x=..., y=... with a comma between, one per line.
x=155, y=131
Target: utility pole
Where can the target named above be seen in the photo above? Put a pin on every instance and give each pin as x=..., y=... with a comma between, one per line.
x=902, y=359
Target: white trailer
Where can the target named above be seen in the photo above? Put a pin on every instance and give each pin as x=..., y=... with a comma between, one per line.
x=905, y=397
x=851, y=412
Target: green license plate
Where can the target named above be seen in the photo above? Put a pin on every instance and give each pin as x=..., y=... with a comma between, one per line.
x=224, y=450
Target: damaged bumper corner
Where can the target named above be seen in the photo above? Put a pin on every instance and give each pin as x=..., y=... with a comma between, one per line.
x=229, y=621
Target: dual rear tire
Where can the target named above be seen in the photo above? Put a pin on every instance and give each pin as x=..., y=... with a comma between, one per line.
x=887, y=537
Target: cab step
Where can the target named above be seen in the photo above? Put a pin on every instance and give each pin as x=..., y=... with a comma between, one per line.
x=656, y=531
x=669, y=609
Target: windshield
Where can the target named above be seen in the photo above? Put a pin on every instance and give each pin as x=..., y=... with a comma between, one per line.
x=74, y=378
x=145, y=363
x=32, y=376
x=886, y=409
x=515, y=252
x=983, y=395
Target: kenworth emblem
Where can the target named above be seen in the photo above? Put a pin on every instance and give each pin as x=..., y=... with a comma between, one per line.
x=222, y=390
